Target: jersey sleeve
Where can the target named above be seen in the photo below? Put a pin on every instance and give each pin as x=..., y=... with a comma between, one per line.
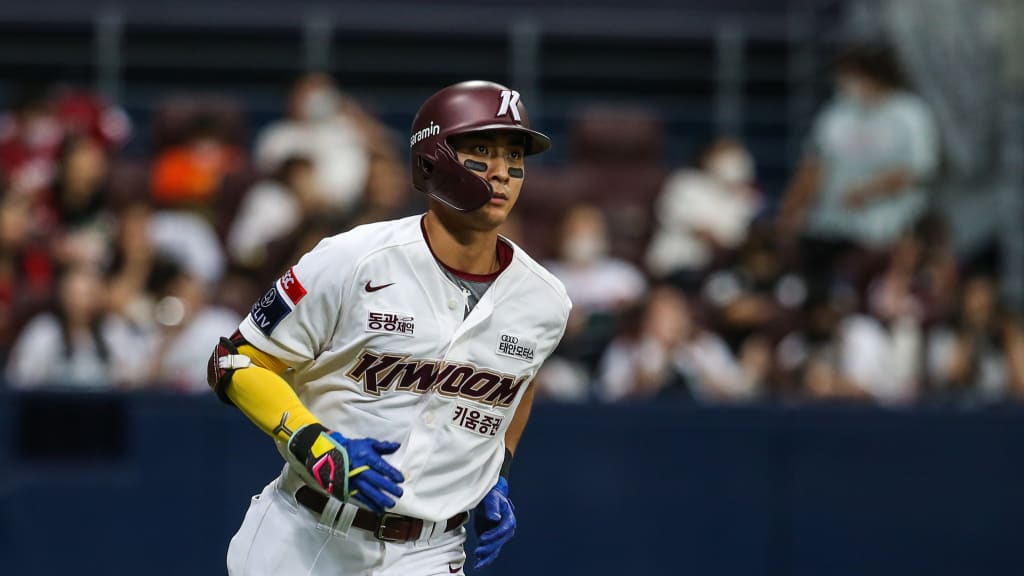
x=297, y=316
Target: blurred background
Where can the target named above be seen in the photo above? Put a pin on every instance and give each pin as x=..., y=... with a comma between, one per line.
x=792, y=232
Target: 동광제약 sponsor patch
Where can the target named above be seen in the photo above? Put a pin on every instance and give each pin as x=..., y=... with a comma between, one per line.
x=390, y=323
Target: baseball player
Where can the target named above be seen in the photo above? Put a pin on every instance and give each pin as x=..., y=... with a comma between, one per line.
x=392, y=365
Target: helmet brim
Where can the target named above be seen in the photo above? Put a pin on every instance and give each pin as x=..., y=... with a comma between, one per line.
x=536, y=143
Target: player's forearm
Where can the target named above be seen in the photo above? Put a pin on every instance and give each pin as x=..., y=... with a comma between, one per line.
x=266, y=398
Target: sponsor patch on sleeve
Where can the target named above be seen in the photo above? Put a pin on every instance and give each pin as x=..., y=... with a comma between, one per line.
x=515, y=347
x=292, y=287
x=268, y=311
x=277, y=303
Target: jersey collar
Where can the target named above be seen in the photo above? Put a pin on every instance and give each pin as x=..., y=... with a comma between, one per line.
x=504, y=250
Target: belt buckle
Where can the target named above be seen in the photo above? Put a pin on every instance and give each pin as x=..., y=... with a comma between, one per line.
x=382, y=525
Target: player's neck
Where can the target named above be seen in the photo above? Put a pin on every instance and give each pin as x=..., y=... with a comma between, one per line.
x=471, y=251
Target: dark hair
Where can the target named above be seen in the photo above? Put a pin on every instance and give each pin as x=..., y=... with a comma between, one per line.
x=164, y=272
x=95, y=325
x=875, y=61
x=932, y=228
x=74, y=214
x=95, y=329
x=206, y=124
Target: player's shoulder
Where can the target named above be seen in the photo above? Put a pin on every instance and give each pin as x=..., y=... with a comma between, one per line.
x=549, y=285
x=368, y=239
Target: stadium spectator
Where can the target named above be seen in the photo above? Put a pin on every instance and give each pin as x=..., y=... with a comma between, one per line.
x=133, y=262
x=77, y=344
x=191, y=173
x=186, y=179
x=757, y=295
x=601, y=287
x=77, y=203
x=26, y=267
x=703, y=211
x=841, y=354
x=191, y=240
x=321, y=126
x=81, y=112
x=272, y=209
x=597, y=282
x=29, y=136
x=187, y=323
x=863, y=179
x=667, y=353
x=387, y=182
x=979, y=357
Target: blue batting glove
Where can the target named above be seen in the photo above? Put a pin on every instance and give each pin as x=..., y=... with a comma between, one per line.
x=371, y=478
x=495, y=523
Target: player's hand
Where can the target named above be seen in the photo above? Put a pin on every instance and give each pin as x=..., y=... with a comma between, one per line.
x=371, y=478
x=344, y=467
x=495, y=523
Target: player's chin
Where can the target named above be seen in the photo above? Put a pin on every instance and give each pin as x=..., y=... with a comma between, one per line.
x=493, y=214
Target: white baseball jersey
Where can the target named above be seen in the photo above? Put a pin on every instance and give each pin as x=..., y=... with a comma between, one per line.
x=380, y=346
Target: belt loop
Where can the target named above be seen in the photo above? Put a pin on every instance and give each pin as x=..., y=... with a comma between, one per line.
x=345, y=519
x=329, y=515
x=430, y=529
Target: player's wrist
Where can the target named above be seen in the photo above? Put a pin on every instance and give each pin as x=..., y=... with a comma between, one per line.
x=506, y=468
x=302, y=440
x=502, y=486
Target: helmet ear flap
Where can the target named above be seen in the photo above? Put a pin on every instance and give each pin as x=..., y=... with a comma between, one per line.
x=425, y=165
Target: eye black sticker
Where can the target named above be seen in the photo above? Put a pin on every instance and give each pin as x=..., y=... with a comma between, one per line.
x=475, y=166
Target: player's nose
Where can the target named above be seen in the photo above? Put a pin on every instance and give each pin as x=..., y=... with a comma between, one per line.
x=499, y=168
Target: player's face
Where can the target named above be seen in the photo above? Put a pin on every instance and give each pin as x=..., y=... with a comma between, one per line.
x=498, y=158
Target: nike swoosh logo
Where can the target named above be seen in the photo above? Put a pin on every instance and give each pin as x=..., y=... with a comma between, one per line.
x=370, y=288
x=454, y=570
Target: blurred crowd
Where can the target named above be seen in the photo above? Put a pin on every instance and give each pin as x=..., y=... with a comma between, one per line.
x=120, y=270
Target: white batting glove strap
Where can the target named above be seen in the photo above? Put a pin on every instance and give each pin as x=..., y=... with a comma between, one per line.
x=234, y=362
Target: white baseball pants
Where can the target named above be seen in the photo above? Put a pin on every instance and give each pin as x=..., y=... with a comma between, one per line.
x=280, y=537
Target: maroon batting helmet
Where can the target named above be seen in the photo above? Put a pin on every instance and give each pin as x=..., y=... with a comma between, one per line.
x=464, y=108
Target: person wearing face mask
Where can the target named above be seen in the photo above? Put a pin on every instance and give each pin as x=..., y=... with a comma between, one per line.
x=595, y=281
x=328, y=129
x=703, y=212
x=862, y=181
x=603, y=288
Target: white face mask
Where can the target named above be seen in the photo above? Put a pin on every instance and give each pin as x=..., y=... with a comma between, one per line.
x=318, y=105
x=734, y=167
x=585, y=248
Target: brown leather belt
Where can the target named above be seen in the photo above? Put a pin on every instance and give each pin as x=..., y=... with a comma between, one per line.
x=386, y=527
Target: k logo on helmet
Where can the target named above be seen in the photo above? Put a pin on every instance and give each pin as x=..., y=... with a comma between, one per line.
x=509, y=103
